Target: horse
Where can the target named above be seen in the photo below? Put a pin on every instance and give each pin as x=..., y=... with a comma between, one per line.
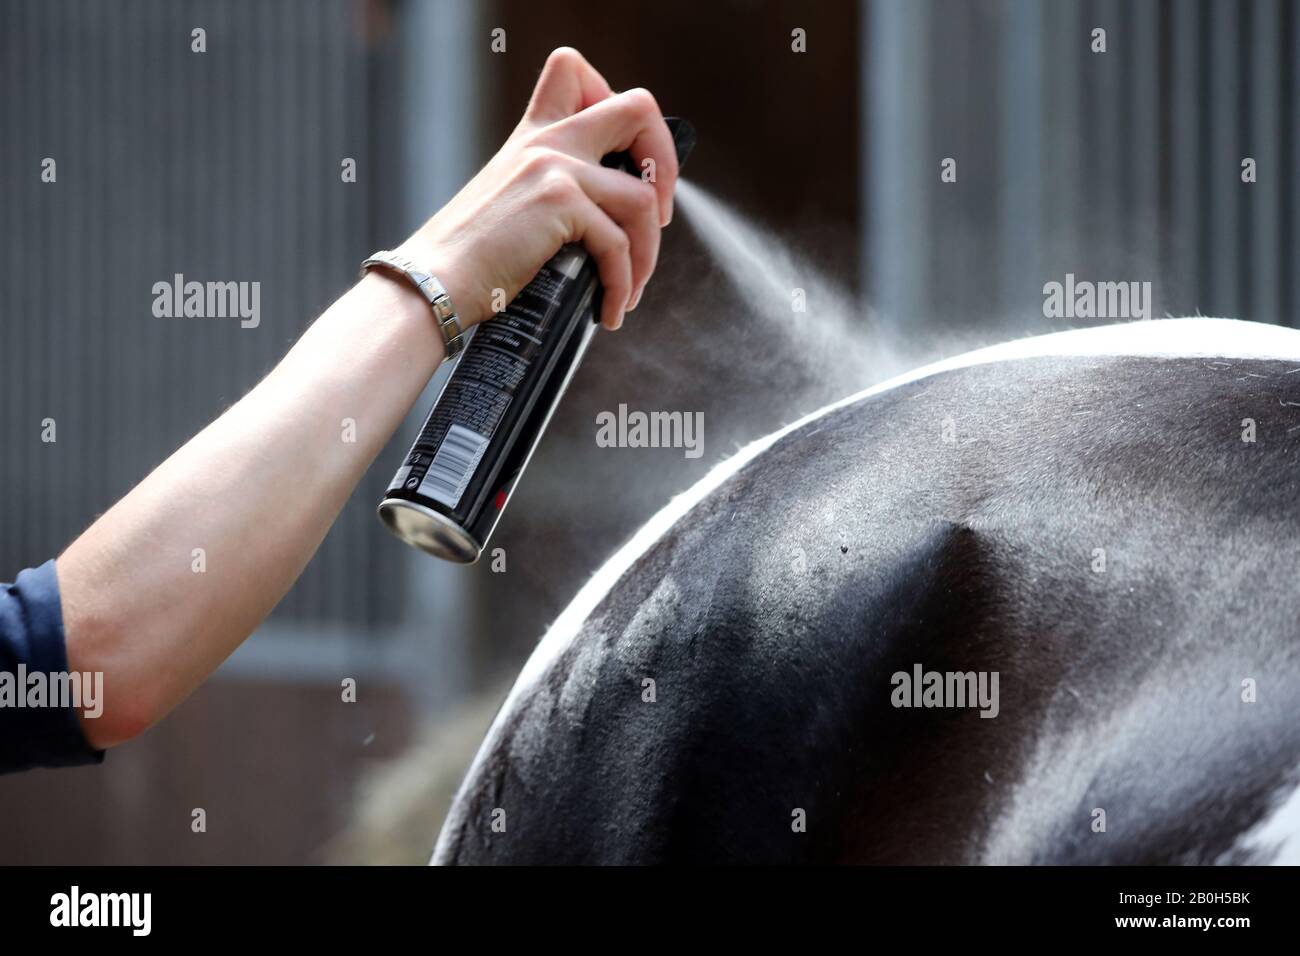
x=1101, y=525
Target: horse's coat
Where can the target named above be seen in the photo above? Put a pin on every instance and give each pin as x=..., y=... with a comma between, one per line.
x=952, y=518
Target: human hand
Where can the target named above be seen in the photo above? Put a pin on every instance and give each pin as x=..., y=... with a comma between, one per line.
x=546, y=187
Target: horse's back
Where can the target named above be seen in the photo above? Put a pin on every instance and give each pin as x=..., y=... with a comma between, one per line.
x=1095, y=538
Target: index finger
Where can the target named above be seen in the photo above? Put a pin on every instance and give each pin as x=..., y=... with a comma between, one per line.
x=568, y=85
x=629, y=121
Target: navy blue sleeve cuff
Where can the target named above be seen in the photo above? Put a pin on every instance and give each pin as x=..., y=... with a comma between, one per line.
x=39, y=726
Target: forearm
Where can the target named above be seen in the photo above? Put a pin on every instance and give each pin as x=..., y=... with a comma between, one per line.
x=256, y=490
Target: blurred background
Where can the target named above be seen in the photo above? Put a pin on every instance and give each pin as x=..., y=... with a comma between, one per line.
x=225, y=165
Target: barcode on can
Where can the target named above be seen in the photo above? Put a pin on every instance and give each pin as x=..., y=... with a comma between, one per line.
x=453, y=466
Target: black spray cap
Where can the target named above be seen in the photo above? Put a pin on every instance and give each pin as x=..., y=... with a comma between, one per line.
x=683, y=139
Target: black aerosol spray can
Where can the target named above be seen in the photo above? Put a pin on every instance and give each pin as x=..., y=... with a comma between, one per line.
x=489, y=417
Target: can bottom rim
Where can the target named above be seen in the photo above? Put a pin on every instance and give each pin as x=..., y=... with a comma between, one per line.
x=422, y=527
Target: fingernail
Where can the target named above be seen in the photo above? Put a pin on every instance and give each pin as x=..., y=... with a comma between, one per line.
x=636, y=299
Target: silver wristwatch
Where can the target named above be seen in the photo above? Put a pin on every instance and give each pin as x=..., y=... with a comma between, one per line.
x=431, y=289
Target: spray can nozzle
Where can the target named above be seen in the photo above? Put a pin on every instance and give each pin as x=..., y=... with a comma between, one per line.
x=683, y=140
x=683, y=137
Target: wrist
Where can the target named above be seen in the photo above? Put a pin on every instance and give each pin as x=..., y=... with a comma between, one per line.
x=405, y=313
x=445, y=315
x=437, y=262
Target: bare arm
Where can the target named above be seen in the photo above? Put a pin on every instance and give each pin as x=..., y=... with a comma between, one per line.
x=135, y=608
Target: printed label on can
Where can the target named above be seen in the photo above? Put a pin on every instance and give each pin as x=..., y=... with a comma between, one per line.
x=402, y=476
x=453, y=466
x=483, y=386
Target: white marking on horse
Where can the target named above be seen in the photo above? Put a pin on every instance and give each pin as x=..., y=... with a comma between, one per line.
x=1277, y=837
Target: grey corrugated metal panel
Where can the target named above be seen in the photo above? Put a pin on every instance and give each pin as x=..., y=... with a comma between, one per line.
x=1145, y=167
x=1182, y=254
x=967, y=116
x=11, y=217
x=1265, y=197
x=1291, y=258
x=1021, y=86
x=1065, y=43
x=1222, y=182
x=222, y=165
x=1143, y=162
x=1291, y=164
x=896, y=75
x=1105, y=105
x=1141, y=150
x=15, y=154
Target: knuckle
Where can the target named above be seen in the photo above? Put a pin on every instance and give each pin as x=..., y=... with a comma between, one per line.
x=647, y=200
x=540, y=162
x=556, y=187
x=534, y=138
x=646, y=256
x=611, y=276
x=642, y=101
x=618, y=290
x=614, y=262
